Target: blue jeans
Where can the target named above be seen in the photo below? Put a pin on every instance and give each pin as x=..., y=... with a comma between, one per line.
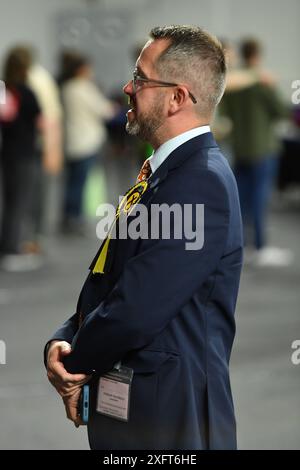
x=76, y=175
x=255, y=183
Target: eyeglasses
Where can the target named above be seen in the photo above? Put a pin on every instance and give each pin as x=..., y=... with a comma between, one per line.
x=138, y=81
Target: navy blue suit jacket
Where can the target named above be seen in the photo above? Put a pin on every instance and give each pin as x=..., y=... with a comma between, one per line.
x=168, y=313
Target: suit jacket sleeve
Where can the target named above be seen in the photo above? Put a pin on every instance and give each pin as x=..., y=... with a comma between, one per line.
x=65, y=333
x=157, y=282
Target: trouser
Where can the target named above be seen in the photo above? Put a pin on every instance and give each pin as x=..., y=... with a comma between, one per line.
x=255, y=182
x=76, y=175
x=18, y=192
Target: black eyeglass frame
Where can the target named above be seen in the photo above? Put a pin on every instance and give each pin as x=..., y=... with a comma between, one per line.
x=160, y=83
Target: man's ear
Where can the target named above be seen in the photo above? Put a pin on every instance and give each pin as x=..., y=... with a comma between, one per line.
x=178, y=98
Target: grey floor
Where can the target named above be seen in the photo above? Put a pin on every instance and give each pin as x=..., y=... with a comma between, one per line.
x=266, y=385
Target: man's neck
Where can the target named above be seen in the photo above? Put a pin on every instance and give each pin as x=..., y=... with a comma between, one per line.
x=163, y=135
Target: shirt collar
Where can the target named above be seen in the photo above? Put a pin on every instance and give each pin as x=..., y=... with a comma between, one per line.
x=159, y=156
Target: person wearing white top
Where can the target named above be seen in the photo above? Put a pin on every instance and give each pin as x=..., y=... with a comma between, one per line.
x=86, y=109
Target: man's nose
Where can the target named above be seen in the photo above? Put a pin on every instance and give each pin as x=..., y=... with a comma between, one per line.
x=128, y=89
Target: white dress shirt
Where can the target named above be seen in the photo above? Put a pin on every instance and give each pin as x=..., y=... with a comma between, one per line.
x=159, y=156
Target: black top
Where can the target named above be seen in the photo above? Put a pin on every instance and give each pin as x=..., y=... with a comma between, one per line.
x=18, y=123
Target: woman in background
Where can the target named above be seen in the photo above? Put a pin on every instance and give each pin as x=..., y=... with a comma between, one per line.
x=19, y=122
x=85, y=109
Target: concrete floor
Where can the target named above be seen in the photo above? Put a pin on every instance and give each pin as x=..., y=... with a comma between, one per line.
x=265, y=382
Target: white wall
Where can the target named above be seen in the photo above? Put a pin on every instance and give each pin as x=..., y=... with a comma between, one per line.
x=275, y=22
x=33, y=22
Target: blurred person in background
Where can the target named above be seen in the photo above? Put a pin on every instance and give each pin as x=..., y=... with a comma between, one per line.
x=47, y=92
x=85, y=110
x=65, y=65
x=237, y=78
x=240, y=76
x=20, y=118
x=253, y=110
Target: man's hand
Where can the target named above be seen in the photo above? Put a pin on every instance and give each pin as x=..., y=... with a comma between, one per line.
x=66, y=384
x=71, y=406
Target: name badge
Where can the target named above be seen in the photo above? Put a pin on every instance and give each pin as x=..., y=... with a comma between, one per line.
x=113, y=397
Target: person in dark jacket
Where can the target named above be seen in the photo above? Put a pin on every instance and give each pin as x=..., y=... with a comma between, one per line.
x=19, y=121
x=154, y=324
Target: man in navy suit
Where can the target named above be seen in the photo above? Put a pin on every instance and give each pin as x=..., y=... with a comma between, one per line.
x=154, y=324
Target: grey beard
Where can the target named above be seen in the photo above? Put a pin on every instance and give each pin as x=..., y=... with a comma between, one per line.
x=146, y=127
x=133, y=128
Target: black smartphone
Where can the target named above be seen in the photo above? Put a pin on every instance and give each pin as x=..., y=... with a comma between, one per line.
x=84, y=404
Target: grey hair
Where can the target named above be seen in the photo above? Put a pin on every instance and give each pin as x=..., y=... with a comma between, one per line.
x=196, y=58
